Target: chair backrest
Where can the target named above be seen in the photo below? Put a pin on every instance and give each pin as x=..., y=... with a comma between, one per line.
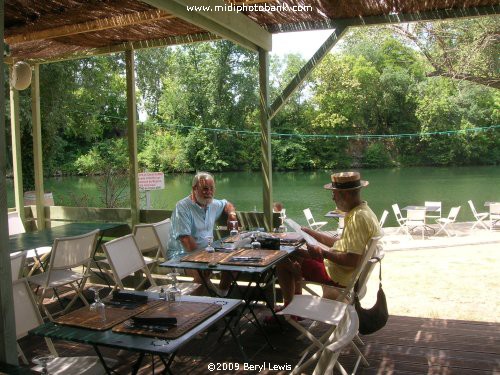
x=153, y=237
x=26, y=311
x=344, y=334
x=125, y=258
x=433, y=204
x=371, y=249
x=415, y=216
x=17, y=264
x=473, y=209
x=397, y=213
x=309, y=216
x=16, y=225
x=454, y=213
x=69, y=252
x=383, y=218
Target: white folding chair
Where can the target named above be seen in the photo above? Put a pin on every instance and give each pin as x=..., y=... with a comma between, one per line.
x=125, y=258
x=494, y=215
x=153, y=238
x=447, y=221
x=399, y=218
x=479, y=216
x=313, y=224
x=27, y=317
x=415, y=220
x=326, y=310
x=436, y=214
x=37, y=255
x=68, y=255
x=17, y=264
x=383, y=218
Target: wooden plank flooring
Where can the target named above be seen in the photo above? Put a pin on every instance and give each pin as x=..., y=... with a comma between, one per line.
x=407, y=345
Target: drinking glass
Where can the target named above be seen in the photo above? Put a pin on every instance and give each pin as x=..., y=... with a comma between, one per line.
x=98, y=306
x=255, y=243
x=282, y=228
x=42, y=360
x=210, y=240
x=234, y=228
x=173, y=292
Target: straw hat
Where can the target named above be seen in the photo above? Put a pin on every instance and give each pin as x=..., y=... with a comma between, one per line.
x=346, y=181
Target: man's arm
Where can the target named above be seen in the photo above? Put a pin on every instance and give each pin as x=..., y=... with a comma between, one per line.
x=337, y=257
x=322, y=237
x=188, y=242
x=230, y=211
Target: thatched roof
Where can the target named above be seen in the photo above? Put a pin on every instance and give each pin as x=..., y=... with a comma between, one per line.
x=58, y=29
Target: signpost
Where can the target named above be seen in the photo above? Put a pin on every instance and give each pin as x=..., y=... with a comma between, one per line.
x=151, y=181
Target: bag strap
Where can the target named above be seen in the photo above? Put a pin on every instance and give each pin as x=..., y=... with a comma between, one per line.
x=380, y=273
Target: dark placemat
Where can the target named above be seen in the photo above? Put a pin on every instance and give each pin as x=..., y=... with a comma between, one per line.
x=85, y=318
x=267, y=257
x=188, y=315
x=203, y=257
x=289, y=238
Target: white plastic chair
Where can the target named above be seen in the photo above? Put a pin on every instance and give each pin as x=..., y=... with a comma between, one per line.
x=399, y=218
x=125, y=258
x=28, y=317
x=415, y=219
x=68, y=255
x=433, y=214
x=494, y=215
x=153, y=238
x=37, y=255
x=479, y=216
x=313, y=224
x=17, y=264
x=383, y=218
x=448, y=221
x=327, y=310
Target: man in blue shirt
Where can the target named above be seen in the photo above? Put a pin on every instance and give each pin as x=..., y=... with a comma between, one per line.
x=193, y=220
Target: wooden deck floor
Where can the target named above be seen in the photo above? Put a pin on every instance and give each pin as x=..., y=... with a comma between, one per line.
x=407, y=345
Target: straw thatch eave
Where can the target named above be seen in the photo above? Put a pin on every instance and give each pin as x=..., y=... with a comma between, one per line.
x=52, y=30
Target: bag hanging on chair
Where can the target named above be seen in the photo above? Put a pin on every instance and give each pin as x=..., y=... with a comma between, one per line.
x=374, y=318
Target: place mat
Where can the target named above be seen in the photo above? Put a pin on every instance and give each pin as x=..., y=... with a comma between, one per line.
x=85, y=318
x=203, y=257
x=267, y=257
x=188, y=315
x=289, y=238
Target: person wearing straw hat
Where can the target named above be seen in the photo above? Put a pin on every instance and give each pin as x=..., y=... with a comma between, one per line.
x=334, y=261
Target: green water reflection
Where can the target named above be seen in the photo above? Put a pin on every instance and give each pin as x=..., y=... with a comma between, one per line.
x=298, y=190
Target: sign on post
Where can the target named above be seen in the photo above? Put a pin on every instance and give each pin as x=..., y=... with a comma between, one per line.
x=151, y=181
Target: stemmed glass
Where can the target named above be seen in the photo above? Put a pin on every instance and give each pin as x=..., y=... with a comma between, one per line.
x=210, y=240
x=43, y=360
x=98, y=306
x=234, y=228
x=173, y=292
x=282, y=228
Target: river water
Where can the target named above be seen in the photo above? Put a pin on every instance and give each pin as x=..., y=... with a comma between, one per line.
x=299, y=190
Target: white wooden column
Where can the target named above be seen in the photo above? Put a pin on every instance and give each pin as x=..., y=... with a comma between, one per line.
x=132, y=137
x=265, y=137
x=37, y=146
x=8, y=349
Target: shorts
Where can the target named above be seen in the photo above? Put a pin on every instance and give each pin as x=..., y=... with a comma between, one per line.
x=314, y=270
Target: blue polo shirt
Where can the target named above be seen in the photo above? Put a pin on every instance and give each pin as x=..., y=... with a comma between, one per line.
x=189, y=219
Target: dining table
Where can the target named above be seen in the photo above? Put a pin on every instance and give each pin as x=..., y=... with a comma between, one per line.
x=46, y=237
x=148, y=339
x=259, y=275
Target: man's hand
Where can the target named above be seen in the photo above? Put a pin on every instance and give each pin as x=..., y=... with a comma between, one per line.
x=315, y=252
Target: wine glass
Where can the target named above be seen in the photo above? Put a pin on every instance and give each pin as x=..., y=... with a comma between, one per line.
x=98, y=306
x=43, y=360
x=234, y=228
x=282, y=228
x=173, y=292
x=209, y=248
x=255, y=244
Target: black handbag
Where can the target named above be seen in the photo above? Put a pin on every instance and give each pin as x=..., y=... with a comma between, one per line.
x=374, y=318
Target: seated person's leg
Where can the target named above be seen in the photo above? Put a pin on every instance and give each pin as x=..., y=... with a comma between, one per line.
x=289, y=277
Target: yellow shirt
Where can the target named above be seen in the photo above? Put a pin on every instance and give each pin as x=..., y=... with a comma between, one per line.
x=360, y=224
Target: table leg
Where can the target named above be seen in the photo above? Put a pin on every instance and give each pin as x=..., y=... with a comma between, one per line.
x=103, y=362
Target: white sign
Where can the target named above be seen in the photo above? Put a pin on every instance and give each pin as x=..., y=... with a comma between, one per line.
x=151, y=181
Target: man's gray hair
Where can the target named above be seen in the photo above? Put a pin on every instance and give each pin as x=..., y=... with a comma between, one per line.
x=201, y=176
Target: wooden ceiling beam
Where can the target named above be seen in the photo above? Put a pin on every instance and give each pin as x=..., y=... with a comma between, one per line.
x=213, y=16
x=90, y=26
